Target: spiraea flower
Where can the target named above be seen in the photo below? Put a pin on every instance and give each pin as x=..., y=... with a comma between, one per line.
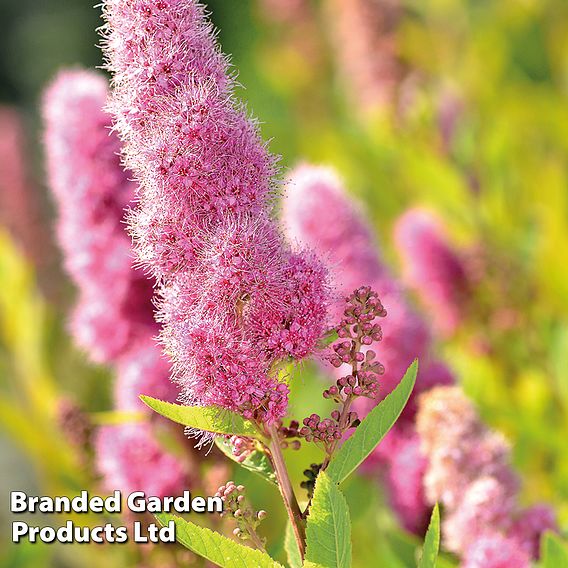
x=195, y=152
x=92, y=190
x=432, y=267
x=234, y=297
x=469, y=472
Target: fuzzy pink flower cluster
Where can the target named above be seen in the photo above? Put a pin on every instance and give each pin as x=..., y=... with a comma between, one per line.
x=317, y=212
x=91, y=191
x=469, y=473
x=432, y=267
x=113, y=320
x=235, y=298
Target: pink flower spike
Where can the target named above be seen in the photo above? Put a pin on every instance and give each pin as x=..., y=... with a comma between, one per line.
x=234, y=300
x=92, y=191
x=432, y=267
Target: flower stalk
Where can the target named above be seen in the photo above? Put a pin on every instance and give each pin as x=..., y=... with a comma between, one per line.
x=286, y=490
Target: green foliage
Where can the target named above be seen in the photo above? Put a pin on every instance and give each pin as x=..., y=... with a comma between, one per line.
x=554, y=551
x=257, y=461
x=328, y=531
x=215, y=547
x=372, y=429
x=205, y=418
x=431, y=541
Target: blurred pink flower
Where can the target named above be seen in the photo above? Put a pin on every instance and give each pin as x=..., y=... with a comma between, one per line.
x=91, y=191
x=469, y=473
x=318, y=213
x=129, y=459
x=495, y=551
x=404, y=482
x=113, y=319
x=290, y=12
x=432, y=267
x=143, y=370
x=529, y=525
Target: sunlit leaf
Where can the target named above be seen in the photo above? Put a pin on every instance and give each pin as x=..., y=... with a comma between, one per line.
x=215, y=547
x=328, y=531
x=206, y=418
x=431, y=541
x=372, y=429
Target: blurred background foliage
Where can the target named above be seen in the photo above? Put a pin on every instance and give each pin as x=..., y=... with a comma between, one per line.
x=477, y=129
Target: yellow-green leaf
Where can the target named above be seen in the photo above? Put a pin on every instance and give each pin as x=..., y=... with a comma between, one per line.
x=215, y=547
x=431, y=541
x=207, y=418
x=372, y=429
x=328, y=531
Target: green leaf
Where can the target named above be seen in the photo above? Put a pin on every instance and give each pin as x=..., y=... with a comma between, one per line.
x=291, y=548
x=554, y=551
x=431, y=541
x=328, y=532
x=215, y=547
x=206, y=418
x=372, y=429
x=256, y=462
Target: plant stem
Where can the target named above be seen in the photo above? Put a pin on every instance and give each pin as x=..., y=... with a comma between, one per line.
x=287, y=492
x=256, y=540
x=344, y=413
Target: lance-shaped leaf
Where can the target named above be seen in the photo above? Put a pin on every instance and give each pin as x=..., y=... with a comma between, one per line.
x=372, y=429
x=328, y=531
x=256, y=461
x=207, y=418
x=215, y=547
x=431, y=541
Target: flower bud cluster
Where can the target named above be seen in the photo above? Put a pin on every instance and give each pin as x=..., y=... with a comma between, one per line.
x=357, y=329
x=235, y=506
x=242, y=447
x=75, y=424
